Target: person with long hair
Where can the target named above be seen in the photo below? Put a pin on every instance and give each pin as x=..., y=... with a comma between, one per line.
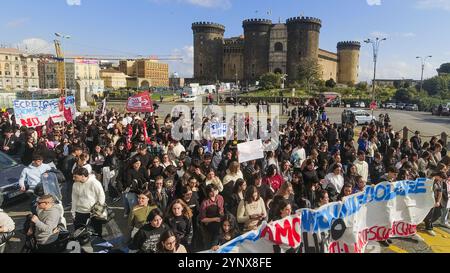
x=170, y=243
x=228, y=231
x=281, y=209
x=252, y=210
x=273, y=178
x=179, y=219
x=147, y=238
x=140, y=212
x=211, y=211
x=237, y=196
x=233, y=173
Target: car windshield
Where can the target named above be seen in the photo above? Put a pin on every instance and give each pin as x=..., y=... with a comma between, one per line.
x=6, y=162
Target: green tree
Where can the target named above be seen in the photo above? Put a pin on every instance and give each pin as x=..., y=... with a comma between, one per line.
x=405, y=94
x=308, y=72
x=270, y=81
x=436, y=85
x=397, y=84
x=444, y=69
x=330, y=83
x=362, y=86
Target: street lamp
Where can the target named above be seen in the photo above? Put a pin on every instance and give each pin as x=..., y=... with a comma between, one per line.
x=57, y=34
x=375, y=46
x=423, y=60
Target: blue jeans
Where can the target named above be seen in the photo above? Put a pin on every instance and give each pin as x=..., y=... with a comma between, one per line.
x=444, y=216
x=129, y=201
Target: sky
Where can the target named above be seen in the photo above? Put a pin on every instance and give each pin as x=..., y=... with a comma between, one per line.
x=163, y=27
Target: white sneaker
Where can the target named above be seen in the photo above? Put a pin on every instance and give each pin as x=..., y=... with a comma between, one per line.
x=431, y=233
x=445, y=225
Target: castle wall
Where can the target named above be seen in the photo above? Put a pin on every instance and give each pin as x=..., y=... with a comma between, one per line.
x=233, y=60
x=208, y=51
x=256, y=48
x=328, y=62
x=348, y=54
x=278, y=49
x=303, y=43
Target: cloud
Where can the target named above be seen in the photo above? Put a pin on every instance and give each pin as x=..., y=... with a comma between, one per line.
x=379, y=34
x=433, y=4
x=395, y=68
x=35, y=45
x=17, y=22
x=374, y=2
x=223, y=4
x=184, y=68
x=73, y=2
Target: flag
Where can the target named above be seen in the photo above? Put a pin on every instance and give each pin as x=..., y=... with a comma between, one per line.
x=130, y=134
x=147, y=139
x=141, y=103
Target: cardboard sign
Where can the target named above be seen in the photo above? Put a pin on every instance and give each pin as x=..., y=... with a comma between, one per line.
x=250, y=150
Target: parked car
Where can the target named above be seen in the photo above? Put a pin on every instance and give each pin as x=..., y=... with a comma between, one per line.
x=363, y=117
x=412, y=107
x=401, y=106
x=391, y=105
x=189, y=98
x=359, y=104
x=9, y=180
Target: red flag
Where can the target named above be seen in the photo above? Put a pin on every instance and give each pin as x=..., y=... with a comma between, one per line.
x=68, y=115
x=130, y=134
x=147, y=139
x=141, y=103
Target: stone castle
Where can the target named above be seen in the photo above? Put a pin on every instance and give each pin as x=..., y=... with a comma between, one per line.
x=267, y=47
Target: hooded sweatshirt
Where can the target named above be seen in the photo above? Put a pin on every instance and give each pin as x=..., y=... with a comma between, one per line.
x=85, y=195
x=362, y=168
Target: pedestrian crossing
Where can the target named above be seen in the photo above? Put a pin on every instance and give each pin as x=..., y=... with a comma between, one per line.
x=436, y=244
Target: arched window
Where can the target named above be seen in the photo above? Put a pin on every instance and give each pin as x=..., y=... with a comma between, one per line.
x=278, y=46
x=278, y=71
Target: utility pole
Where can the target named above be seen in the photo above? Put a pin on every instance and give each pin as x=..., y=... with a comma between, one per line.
x=375, y=46
x=423, y=60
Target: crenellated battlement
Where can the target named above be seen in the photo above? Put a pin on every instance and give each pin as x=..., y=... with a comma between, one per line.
x=208, y=25
x=349, y=45
x=304, y=20
x=256, y=21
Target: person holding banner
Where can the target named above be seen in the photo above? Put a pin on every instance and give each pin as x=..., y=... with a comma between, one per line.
x=435, y=212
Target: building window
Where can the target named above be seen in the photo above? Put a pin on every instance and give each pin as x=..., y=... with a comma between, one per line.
x=17, y=73
x=17, y=58
x=6, y=58
x=278, y=46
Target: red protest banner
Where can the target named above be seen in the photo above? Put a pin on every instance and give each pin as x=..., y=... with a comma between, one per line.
x=141, y=103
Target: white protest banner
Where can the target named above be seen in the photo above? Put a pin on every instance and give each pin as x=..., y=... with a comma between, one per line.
x=218, y=130
x=383, y=211
x=250, y=150
x=34, y=113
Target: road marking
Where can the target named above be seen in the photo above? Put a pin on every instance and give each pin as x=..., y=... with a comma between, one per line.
x=397, y=249
x=439, y=243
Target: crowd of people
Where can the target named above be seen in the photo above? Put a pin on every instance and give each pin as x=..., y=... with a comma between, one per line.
x=189, y=195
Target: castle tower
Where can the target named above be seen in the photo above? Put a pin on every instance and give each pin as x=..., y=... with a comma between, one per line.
x=208, y=51
x=348, y=58
x=303, y=42
x=256, y=48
